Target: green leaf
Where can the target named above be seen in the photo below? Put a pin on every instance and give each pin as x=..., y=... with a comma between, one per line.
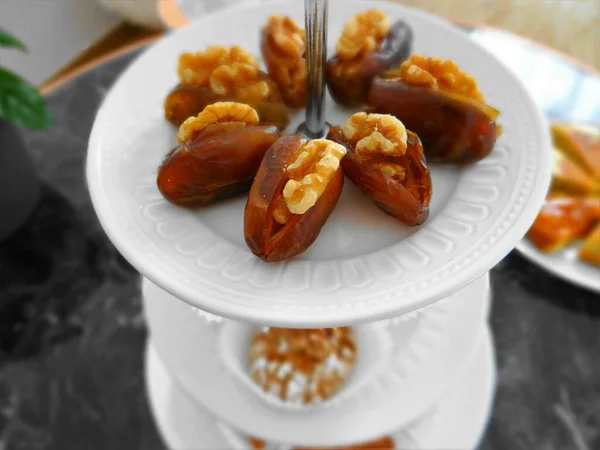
x=21, y=104
x=6, y=40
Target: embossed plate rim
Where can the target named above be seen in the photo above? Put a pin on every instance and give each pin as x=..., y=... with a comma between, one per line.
x=445, y=272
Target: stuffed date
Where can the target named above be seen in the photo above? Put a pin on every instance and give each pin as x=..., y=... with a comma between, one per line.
x=386, y=162
x=218, y=155
x=283, y=44
x=219, y=74
x=442, y=105
x=295, y=190
x=368, y=46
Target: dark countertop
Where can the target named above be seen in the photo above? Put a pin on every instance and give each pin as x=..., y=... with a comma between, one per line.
x=72, y=333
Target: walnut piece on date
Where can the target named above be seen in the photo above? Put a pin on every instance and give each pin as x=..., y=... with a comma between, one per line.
x=288, y=37
x=283, y=46
x=238, y=114
x=310, y=172
x=302, y=366
x=240, y=81
x=435, y=73
x=376, y=133
x=362, y=34
x=195, y=69
x=231, y=72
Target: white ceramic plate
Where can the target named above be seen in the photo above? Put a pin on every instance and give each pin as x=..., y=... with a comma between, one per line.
x=426, y=357
x=364, y=265
x=457, y=421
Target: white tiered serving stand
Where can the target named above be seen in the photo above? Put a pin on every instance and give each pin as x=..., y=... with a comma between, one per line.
x=418, y=298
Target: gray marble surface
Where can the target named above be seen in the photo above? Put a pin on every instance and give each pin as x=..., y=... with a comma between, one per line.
x=72, y=334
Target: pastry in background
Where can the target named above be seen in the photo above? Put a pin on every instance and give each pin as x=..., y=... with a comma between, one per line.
x=568, y=177
x=581, y=144
x=590, y=250
x=562, y=221
x=572, y=211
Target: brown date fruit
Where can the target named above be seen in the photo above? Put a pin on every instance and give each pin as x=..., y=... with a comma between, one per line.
x=351, y=71
x=214, y=166
x=187, y=101
x=295, y=190
x=386, y=162
x=215, y=159
x=454, y=125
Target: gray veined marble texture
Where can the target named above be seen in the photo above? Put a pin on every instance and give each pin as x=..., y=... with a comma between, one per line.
x=72, y=334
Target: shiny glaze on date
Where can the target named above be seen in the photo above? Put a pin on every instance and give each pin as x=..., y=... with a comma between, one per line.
x=268, y=239
x=407, y=200
x=214, y=165
x=453, y=129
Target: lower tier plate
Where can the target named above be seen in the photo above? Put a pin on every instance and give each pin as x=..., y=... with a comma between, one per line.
x=423, y=364
x=457, y=421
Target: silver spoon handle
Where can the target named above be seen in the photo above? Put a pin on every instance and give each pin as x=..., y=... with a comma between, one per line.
x=316, y=58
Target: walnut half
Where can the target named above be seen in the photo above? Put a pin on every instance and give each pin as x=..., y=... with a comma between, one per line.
x=435, y=73
x=378, y=136
x=195, y=69
x=241, y=81
x=283, y=46
x=231, y=72
x=238, y=114
x=310, y=172
x=287, y=36
x=362, y=34
x=376, y=133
